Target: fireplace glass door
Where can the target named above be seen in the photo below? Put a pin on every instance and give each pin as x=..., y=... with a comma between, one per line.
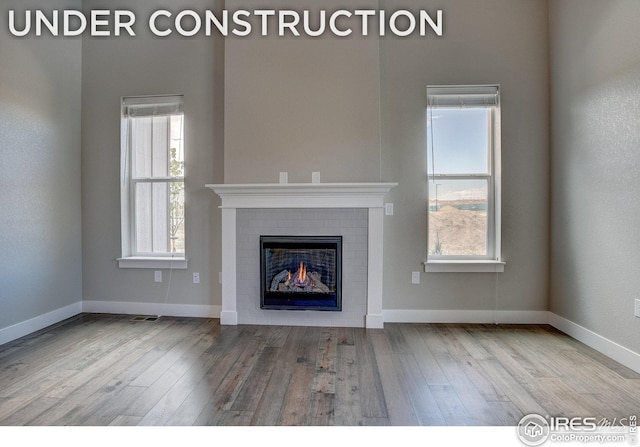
x=301, y=272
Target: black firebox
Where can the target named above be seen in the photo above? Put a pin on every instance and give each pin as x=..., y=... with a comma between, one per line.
x=301, y=272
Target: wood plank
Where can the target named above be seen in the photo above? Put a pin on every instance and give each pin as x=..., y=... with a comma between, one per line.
x=396, y=396
x=592, y=354
x=450, y=407
x=422, y=400
x=125, y=421
x=396, y=340
x=114, y=407
x=327, y=345
x=296, y=404
x=372, y=399
x=520, y=367
x=167, y=406
x=345, y=336
x=520, y=397
x=466, y=343
x=505, y=413
x=222, y=355
x=98, y=370
x=253, y=387
x=322, y=409
x=268, y=411
x=64, y=348
x=39, y=387
x=475, y=404
x=469, y=365
x=236, y=418
x=557, y=398
x=29, y=411
x=183, y=344
x=347, y=387
x=225, y=394
x=86, y=397
x=410, y=373
x=276, y=336
x=427, y=362
x=325, y=377
x=166, y=380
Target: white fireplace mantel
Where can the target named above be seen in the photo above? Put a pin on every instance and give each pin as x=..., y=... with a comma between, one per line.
x=303, y=195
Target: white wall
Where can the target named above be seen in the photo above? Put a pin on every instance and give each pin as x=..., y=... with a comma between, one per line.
x=40, y=266
x=148, y=65
x=595, y=139
x=485, y=42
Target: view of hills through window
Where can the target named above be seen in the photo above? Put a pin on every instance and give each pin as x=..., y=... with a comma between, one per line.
x=458, y=170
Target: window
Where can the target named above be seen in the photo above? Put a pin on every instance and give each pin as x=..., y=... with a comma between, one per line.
x=153, y=195
x=463, y=162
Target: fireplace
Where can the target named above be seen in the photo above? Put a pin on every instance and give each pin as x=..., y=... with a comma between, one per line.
x=301, y=272
x=353, y=210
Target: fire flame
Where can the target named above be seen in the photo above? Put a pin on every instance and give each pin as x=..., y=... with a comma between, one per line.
x=301, y=279
x=302, y=274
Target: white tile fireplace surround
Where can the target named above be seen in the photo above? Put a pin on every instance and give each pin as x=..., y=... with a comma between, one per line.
x=354, y=211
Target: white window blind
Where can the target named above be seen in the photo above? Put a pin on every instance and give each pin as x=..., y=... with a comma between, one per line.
x=136, y=107
x=463, y=96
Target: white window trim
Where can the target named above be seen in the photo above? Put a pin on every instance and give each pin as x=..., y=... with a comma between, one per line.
x=494, y=262
x=127, y=260
x=155, y=262
x=464, y=266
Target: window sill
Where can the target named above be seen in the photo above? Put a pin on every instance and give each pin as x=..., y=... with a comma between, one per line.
x=467, y=266
x=142, y=262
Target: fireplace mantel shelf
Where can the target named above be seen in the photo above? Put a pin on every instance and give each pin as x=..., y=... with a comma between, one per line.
x=302, y=195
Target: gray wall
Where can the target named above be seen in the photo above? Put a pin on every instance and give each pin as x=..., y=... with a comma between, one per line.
x=595, y=208
x=40, y=261
x=355, y=109
x=485, y=42
x=302, y=104
x=148, y=65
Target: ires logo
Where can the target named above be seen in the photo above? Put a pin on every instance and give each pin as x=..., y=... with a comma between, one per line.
x=534, y=430
x=573, y=424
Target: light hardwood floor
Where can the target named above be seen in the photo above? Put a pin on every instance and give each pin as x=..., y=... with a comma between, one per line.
x=110, y=370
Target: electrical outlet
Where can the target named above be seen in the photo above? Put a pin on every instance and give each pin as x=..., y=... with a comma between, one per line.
x=637, y=308
x=415, y=277
x=157, y=276
x=219, y=277
x=196, y=277
x=315, y=177
x=388, y=209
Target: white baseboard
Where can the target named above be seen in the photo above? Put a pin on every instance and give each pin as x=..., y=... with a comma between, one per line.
x=40, y=322
x=617, y=352
x=229, y=317
x=166, y=309
x=374, y=321
x=466, y=316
